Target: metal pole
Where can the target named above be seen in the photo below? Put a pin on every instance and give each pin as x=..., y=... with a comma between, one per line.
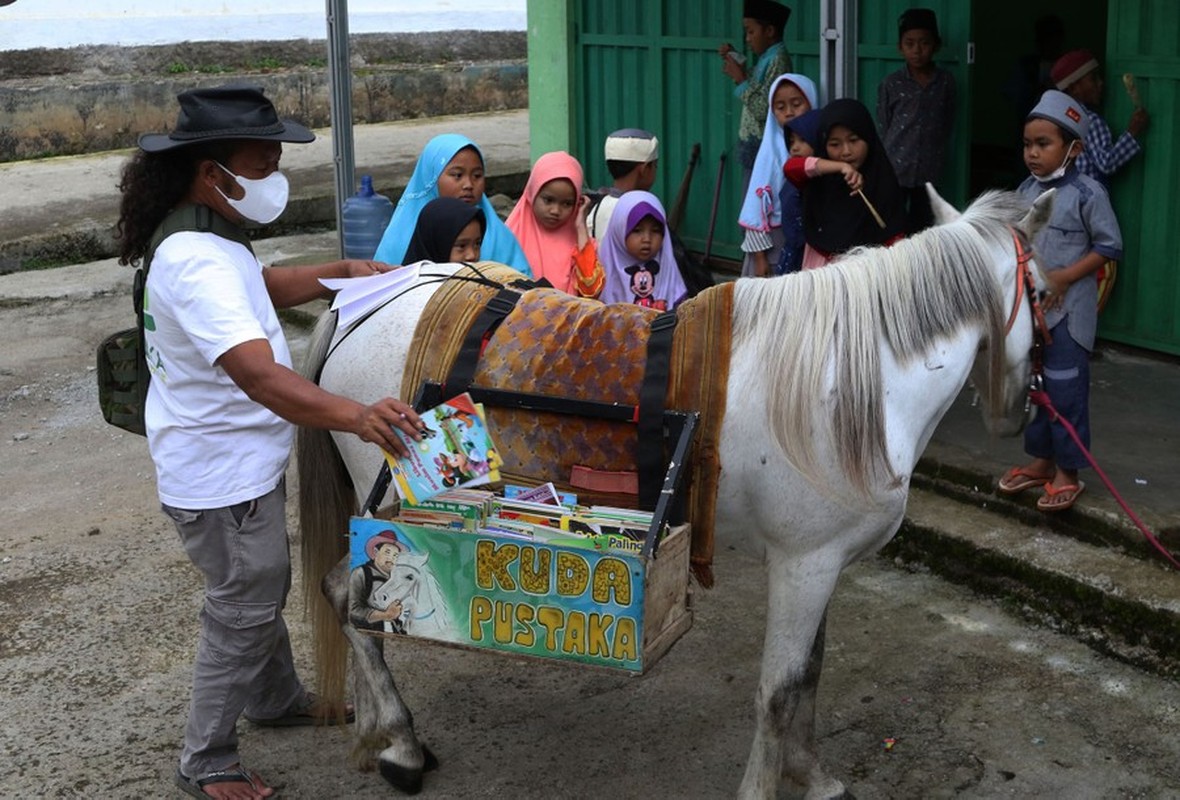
x=340, y=81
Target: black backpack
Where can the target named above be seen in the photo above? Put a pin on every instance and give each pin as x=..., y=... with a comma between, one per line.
x=122, y=370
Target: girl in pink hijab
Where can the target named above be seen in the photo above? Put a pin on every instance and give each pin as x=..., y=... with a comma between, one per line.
x=549, y=221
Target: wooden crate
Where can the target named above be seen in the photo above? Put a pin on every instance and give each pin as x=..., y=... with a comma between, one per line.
x=612, y=609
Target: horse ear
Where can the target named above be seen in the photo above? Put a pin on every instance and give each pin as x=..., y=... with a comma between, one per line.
x=944, y=212
x=1038, y=216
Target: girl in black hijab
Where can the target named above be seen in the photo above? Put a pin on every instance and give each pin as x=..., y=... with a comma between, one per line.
x=836, y=217
x=448, y=231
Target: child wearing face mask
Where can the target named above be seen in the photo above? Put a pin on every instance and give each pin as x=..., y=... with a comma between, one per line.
x=1081, y=235
x=549, y=221
x=637, y=255
x=838, y=189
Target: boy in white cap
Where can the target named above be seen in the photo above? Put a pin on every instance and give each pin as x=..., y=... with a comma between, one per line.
x=1081, y=235
x=632, y=156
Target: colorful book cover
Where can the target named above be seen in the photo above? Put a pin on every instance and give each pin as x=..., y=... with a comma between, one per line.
x=545, y=493
x=455, y=450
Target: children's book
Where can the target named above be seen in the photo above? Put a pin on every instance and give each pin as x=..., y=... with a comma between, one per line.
x=545, y=493
x=456, y=450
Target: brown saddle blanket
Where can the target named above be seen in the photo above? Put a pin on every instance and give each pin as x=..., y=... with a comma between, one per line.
x=554, y=344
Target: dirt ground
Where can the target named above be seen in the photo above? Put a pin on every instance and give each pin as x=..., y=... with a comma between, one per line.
x=928, y=690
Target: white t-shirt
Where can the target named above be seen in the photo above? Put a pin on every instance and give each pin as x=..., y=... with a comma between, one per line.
x=212, y=445
x=599, y=216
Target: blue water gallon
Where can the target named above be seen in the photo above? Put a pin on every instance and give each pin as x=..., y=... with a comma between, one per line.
x=365, y=216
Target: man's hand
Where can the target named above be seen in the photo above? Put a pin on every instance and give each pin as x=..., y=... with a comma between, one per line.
x=375, y=424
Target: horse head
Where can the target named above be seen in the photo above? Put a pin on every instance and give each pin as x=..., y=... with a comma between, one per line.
x=1002, y=375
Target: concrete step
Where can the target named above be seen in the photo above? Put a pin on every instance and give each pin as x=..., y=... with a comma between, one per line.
x=1110, y=596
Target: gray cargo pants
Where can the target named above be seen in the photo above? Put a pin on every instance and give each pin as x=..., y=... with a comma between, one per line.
x=244, y=660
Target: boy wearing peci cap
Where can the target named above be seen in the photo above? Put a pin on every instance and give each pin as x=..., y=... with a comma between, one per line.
x=632, y=156
x=1076, y=73
x=916, y=113
x=1080, y=236
x=223, y=404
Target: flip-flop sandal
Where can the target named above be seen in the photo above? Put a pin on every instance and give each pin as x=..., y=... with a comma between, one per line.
x=307, y=714
x=196, y=786
x=1017, y=479
x=1049, y=501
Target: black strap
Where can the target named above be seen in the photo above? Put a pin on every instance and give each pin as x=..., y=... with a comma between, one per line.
x=187, y=218
x=463, y=371
x=649, y=456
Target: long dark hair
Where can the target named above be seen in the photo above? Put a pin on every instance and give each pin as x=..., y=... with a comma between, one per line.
x=152, y=184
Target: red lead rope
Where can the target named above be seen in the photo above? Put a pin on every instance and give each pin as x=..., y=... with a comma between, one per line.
x=1041, y=398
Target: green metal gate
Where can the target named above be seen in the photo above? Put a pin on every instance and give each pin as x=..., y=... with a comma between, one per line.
x=1143, y=38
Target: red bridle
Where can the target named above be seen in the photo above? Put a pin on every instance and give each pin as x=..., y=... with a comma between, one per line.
x=1026, y=289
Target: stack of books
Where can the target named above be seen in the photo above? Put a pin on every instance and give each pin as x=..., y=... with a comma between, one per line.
x=553, y=523
x=438, y=481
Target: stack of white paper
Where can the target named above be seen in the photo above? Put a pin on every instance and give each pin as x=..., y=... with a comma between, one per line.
x=356, y=297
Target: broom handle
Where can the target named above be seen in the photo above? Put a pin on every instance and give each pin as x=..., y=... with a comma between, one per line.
x=872, y=210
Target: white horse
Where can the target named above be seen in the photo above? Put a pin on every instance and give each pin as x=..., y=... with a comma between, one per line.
x=838, y=378
x=424, y=609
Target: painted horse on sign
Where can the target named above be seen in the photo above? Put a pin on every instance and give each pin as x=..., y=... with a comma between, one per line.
x=838, y=378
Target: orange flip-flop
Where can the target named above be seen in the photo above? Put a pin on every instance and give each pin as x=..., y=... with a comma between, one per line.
x=1068, y=496
x=1017, y=479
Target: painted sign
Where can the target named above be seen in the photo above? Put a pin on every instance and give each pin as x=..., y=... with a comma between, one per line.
x=497, y=592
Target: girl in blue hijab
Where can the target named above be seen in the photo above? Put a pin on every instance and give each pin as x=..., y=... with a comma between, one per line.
x=451, y=165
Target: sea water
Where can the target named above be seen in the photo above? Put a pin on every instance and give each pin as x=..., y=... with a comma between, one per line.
x=26, y=24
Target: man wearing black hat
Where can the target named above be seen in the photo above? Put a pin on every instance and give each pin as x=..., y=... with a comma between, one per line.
x=763, y=22
x=222, y=406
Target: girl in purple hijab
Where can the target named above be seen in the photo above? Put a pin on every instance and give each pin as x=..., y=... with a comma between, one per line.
x=636, y=255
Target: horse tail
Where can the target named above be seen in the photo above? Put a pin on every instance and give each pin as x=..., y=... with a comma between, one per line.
x=326, y=501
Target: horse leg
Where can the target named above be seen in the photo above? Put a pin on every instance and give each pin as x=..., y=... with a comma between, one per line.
x=384, y=725
x=792, y=658
x=802, y=756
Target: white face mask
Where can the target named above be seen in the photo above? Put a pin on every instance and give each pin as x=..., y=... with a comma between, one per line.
x=1060, y=171
x=265, y=198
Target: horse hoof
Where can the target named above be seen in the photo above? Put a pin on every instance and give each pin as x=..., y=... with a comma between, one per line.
x=406, y=779
x=429, y=760
x=403, y=779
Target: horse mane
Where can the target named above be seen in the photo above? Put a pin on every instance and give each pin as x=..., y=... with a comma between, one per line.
x=922, y=288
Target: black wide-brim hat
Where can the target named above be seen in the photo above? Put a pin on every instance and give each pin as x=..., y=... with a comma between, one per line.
x=225, y=112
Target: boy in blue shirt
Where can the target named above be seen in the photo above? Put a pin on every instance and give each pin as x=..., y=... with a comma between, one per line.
x=915, y=113
x=1081, y=235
